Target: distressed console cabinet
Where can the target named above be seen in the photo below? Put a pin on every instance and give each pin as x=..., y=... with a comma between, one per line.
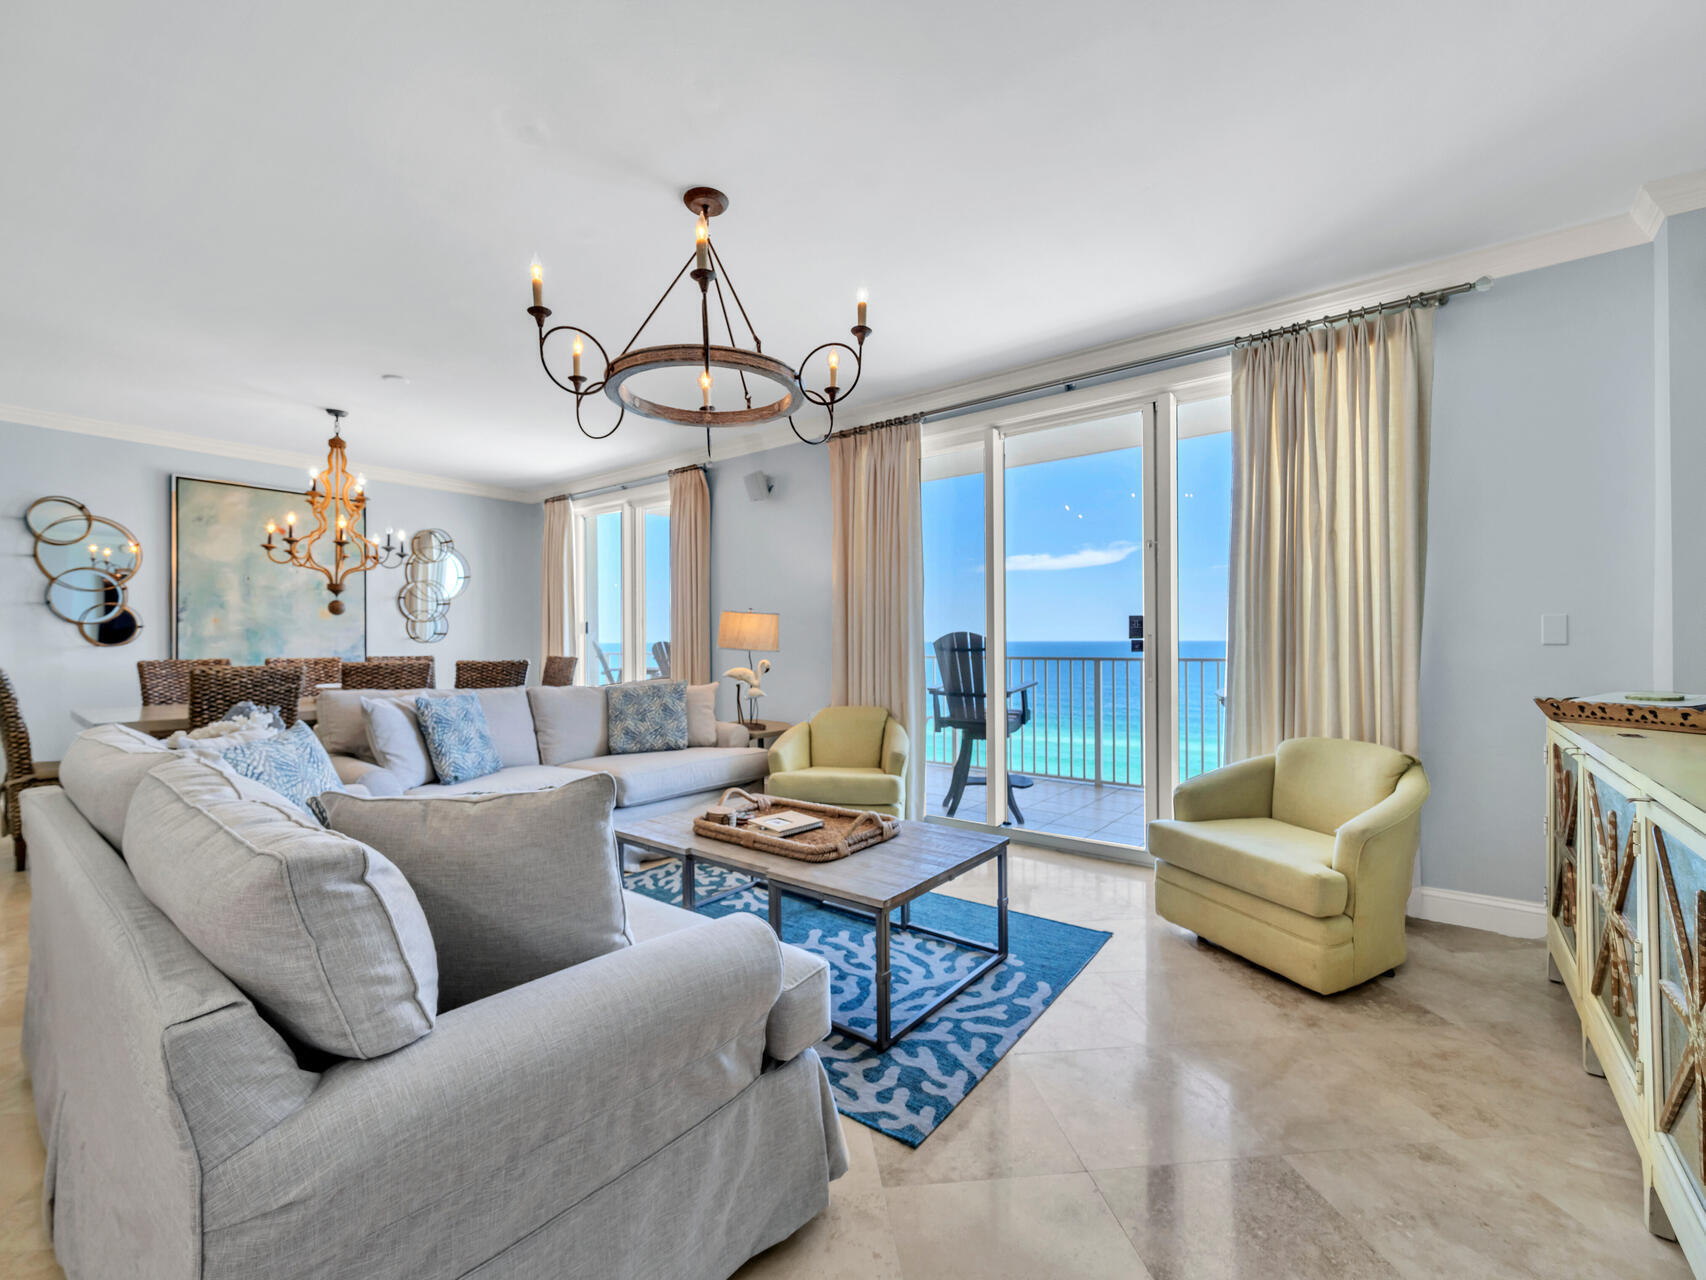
x=1626, y=934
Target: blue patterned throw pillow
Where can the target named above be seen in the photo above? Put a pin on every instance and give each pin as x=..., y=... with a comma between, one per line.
x=457, y=738
x=649, y=715
x=292, y=763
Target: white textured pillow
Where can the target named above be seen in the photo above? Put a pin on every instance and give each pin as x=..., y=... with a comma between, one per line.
x=317, y=929
x=101, y=771
x=394, y=738
x=514, y=885
x=702, y=715
x=340, y=724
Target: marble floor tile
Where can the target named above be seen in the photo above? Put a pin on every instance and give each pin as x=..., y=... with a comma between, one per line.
x=1010, y=1229
x=1142, y=1106
x=1236, y=1220
x=1439, y=1211
x=1010, y=1132
x=1089, y=1014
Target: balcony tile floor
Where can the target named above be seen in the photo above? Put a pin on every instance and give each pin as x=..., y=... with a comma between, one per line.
x=1092, y=810
x=1180, y=1114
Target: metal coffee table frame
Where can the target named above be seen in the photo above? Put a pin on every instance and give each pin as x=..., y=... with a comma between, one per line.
x=777, y=888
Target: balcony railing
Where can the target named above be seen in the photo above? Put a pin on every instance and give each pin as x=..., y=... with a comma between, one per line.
x=1087, y=718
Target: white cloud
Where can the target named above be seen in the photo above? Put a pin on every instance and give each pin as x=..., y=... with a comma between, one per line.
x=1083, y=558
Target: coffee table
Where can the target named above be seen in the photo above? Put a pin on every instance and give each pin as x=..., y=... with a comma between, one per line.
x=873, y=883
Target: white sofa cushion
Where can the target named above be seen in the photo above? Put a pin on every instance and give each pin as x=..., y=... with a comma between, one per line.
x=101, y=771
x=509, y=719
x=523, y=777
x=319, y=930
x=339, y=721
x=701, y=715
x=514, y=886
x=643, y=777
x=800, y=1016
x=395, y=742
x=569, y=722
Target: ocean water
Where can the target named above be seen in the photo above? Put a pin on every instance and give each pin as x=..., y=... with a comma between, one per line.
x=1061, y=739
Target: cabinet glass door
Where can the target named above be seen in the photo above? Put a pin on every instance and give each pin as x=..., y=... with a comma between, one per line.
x=1614, y=843
x=1680, y=851
x=1563, y=817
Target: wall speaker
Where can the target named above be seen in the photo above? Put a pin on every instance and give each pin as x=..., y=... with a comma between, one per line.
x=758, y=486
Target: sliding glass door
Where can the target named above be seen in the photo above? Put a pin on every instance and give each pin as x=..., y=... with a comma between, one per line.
x=1094, y=650
x=622, y=587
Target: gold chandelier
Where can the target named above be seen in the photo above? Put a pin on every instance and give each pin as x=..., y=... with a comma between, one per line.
x=336, y=499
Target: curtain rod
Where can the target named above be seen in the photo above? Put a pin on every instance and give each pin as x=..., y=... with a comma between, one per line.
x=1433, y=297
x=635, y=484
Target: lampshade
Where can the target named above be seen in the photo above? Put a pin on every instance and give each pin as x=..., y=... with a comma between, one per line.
x=756, y=632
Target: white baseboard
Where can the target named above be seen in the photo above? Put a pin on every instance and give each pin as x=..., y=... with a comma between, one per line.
x=1512, y=916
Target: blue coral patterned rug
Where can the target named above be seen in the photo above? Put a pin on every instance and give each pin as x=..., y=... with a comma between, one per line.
x=909, y=1090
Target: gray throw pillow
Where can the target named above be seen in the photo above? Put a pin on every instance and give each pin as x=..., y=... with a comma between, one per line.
x=319, y=930
x=514, y=885
x=394, y=738
x=647, y=715
x=701, y=715
x=101, y=771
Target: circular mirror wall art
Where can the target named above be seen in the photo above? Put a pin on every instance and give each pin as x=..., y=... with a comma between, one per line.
x=434, y=574
x=88, y=561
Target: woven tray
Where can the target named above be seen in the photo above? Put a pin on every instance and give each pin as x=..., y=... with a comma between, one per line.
x=844, y=831
x=1667, y=717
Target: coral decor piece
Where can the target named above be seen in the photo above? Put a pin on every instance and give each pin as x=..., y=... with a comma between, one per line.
x=1687, y=996
x=1615, y=958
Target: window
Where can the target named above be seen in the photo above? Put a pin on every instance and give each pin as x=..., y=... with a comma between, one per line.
x=622, y=586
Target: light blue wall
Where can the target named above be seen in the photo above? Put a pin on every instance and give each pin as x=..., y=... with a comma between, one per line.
x=1540, y=502
x=774, y=556
x=53, y=670
x=1680, y=276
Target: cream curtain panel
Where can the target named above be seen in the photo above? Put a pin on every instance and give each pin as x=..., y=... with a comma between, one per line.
x=556, y=593
x=689, y=576
x=1329, y=530
x=878, y=575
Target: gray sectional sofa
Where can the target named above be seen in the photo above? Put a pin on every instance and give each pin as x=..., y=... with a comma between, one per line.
x=548, y=736
x=657, y=1111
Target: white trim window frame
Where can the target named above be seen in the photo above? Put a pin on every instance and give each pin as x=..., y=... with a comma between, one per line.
x=633, y=505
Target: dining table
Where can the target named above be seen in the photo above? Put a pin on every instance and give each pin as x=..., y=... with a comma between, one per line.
x=161, y=720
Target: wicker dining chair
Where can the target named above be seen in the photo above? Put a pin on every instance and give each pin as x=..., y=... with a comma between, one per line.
x=215, y=690
x=388, y=674
x=498, y=673
x=418, y=659
x=23, y=770
x=167, y=680
x=559, y=671
x=315, y=671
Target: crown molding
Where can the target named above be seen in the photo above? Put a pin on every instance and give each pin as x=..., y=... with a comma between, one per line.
x=158, y=438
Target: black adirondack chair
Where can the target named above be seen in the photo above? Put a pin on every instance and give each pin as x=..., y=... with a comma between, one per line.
x=961, y=703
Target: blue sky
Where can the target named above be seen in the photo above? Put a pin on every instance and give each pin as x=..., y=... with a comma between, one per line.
x=1074, y=546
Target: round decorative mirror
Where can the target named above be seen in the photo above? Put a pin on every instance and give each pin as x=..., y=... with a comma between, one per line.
x=88, y=561
x=434, y=575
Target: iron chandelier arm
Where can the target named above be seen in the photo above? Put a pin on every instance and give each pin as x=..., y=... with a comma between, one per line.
x=581, y=387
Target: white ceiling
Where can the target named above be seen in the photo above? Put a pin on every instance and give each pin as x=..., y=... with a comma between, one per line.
x=216, y=217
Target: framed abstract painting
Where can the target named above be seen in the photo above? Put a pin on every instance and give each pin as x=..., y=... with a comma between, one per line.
x=230, y=601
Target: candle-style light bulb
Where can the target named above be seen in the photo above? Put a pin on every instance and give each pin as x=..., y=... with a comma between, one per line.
x=834, y=364
x=538, y=284
x=107, y=553
x=702, y=243
x=705, y=389
x=290, y=522
x=94, y=548
x=360, y=483
x=578, y=350
x=272, y=528
x=864, y=297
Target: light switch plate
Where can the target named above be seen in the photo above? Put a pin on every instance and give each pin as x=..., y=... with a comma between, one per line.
x=1554, y=628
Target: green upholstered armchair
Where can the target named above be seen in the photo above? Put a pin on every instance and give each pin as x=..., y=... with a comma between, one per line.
x=851, y=756
x=1299, y=861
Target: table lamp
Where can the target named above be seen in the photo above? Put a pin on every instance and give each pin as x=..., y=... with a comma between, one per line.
x=756, y=633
